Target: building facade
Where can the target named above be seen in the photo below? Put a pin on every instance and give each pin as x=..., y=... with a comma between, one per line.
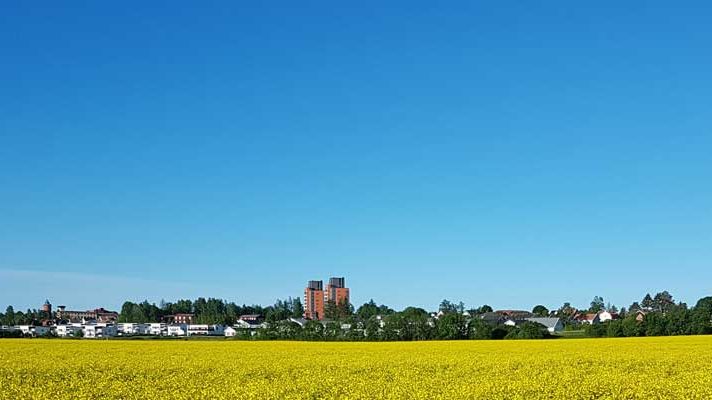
x=337, y=292
x=315, y=297
x=98, y=314
x=314, y=300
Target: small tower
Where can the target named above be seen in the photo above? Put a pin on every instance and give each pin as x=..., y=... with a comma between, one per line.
x=47, y=309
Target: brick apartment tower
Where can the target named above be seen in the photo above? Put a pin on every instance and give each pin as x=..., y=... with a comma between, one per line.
x=314, y=300
x=336, y=291
x=315, y=297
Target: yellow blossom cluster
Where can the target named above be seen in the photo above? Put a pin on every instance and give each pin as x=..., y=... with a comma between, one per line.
x=626, y=368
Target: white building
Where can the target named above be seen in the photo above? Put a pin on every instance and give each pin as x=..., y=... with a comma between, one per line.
x=132, y=328
x=67, y=330
x=604, y=316
x=230, y=332
x=25, y=329
x=158, y=329
x=177, y=330
x=29, y=330
x=205, y=330
x=99, y=331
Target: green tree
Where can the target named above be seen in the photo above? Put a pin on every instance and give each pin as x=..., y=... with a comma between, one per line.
x=615, y=329
x=647, y=302
x=654, y=324
x=540, y=311
x=447, y=307
x=367, y=310
x=313, y=330
x=297, y=308
x=701, y=317
x=596, y=330
x=531, y=330
x=372, y=329
x=9, y=316
x=631, y=326
x=452, y=326
x=479, y=329
x=597, y=304
x=663, y=301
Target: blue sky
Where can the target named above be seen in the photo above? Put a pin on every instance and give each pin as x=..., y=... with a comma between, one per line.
x=508, y=153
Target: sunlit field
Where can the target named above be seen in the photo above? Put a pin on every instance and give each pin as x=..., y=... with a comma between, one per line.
x=644, y=368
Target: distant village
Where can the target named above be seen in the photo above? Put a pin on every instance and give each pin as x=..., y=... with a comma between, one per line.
x=327, y=314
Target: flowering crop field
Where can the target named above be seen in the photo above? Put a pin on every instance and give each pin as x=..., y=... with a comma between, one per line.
x=634, y=368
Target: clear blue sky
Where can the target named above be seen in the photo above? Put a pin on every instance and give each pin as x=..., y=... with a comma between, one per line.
x=508, y=152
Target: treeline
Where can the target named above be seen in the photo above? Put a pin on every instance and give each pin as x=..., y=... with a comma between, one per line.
x=209, y=311
x=656, y=315
x=29, y=317
x=372, y=322
x=670, y=319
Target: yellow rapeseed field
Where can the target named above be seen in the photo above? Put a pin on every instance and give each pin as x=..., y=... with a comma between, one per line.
x=636, y=368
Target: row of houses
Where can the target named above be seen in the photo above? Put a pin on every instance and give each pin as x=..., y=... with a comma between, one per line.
x=91, y=328
x=104, y=330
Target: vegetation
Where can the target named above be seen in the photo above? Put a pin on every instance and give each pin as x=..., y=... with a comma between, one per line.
x=640, y=368
x=657, y=315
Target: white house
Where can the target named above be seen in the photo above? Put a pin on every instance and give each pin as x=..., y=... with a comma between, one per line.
x=99, y=330
x=230, y=332
x=132, y=328
x=588, y=318
x=67, y=330
x=158, y=329
x=254, y=325
x=604, y=316
x=29, y=330
x=205, y=330
x=177, y=330
x=26, y=329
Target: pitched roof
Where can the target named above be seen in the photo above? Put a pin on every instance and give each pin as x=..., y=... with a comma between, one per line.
x=546, y=321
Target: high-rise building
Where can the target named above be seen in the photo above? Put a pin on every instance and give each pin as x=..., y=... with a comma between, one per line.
x=336, y=291
x=314, y=300
x=315, y=297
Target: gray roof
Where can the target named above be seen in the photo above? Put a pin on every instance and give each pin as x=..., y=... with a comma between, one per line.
x=546, y=321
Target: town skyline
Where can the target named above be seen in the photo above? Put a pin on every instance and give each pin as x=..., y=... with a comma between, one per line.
x=584, y=300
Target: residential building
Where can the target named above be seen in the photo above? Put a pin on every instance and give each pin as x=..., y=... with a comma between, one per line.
x=98, y=314
x=590, y=318
x=67, y=330
x=254, y=319
x=132, y=328
x=205, y=330
x=314, y=300
x=315, y=297
x=604, y=316
x=640, y=316
x=230, y=332
x=31, y=330
x=336, y=291
x=99, y=330
x=246, y=324
x=177, y=330
x=515, y=314
x=157, y=328
x=180, y=318
x=493, y=318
